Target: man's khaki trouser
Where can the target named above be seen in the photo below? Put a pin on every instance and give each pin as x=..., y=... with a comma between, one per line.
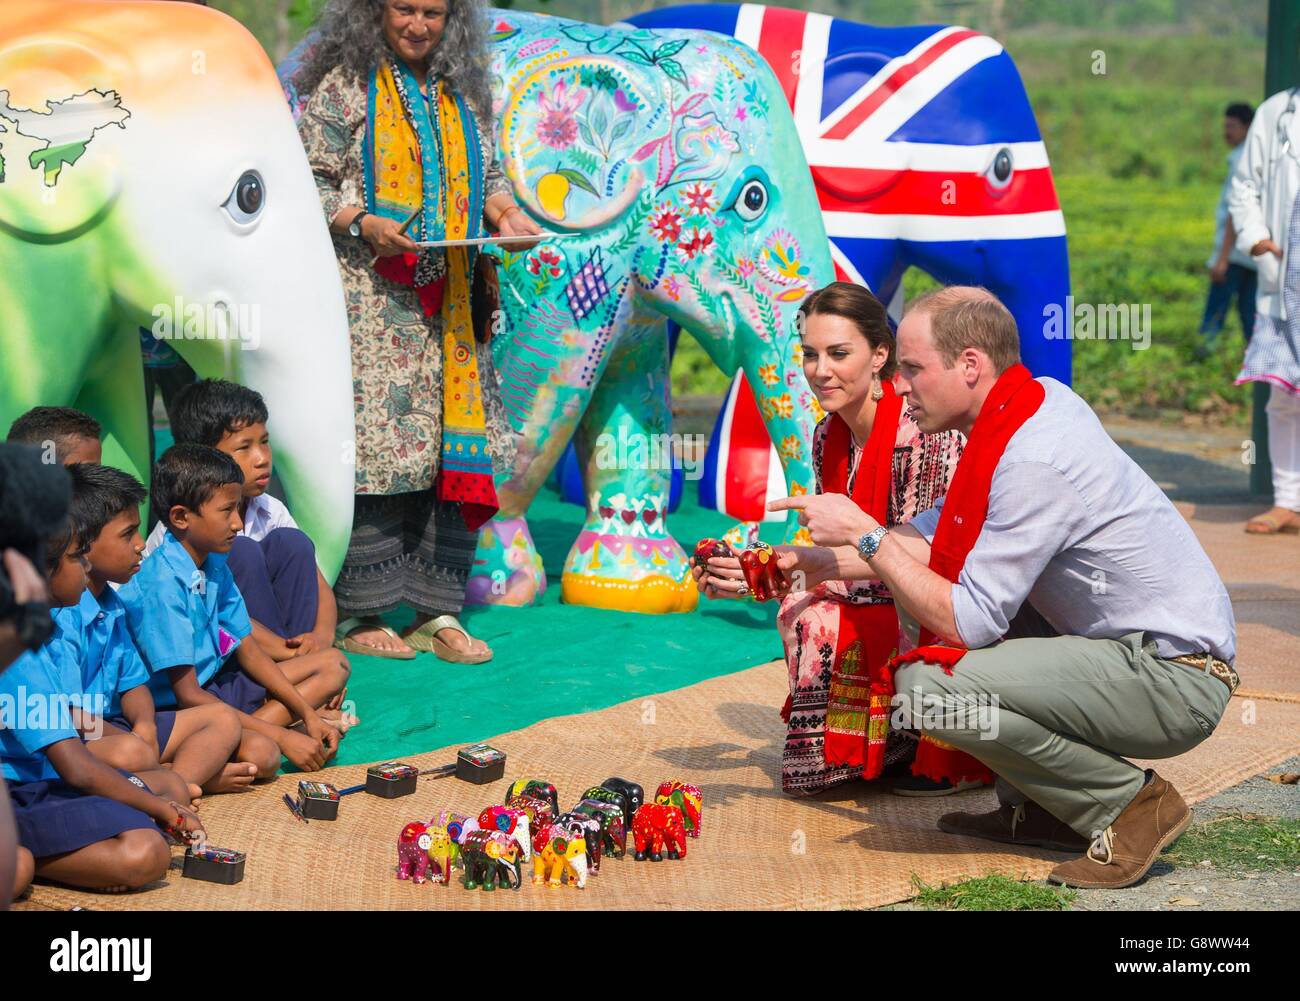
x=1067, y=711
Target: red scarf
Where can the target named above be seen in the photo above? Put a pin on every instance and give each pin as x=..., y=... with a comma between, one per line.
x=862, y=686
x=1015, y=398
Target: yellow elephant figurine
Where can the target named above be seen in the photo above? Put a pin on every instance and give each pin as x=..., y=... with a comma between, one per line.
x=563, y=856
x=444, y=852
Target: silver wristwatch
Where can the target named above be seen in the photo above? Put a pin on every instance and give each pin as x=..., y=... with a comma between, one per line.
x=869, y=544
x=354, y=227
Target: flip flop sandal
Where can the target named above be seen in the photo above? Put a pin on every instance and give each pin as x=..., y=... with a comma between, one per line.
x=425, y=639
x=345, y=642
x=1271, y=526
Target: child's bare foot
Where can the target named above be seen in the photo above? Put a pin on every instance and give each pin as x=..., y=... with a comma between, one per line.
x=196, y=795
x=236, y=776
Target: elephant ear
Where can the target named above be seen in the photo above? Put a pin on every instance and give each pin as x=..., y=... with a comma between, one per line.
x=425, y=842
x=559, y=845
x=578, y=125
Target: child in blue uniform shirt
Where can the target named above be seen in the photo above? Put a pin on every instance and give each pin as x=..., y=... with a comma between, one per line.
x=87, y=824
x=197, y=742
x=189, y=621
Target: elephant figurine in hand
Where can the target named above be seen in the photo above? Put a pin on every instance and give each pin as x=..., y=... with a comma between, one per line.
x=560, y=856
x=687, y=798
x=491, y=859
x=657, y=828
x=413, y=846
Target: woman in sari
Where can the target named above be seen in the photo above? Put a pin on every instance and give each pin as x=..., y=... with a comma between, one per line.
x=400, y=137
x=839, y=636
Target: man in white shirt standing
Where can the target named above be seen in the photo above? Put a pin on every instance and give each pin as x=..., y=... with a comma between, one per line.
x=1232, y=271
x=1058, y=592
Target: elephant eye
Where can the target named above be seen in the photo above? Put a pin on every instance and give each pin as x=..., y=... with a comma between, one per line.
x=246, y=198
x=751, y=203
x=1002, y=168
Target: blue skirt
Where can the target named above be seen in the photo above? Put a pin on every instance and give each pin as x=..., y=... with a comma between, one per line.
x=164, y=720
x=54, y=818
x=236, y=689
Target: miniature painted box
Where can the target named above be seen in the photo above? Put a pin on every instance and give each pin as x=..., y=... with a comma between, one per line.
x=391, y=779
x=318, y=800
x=480, y=764
x=215, y=865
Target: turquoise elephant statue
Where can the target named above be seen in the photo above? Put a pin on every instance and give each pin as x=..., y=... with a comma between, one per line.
x=151, y=177
x=670, y=164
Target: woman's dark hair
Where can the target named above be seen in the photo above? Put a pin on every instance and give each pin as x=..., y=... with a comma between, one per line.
x=350, y=33
x=61, y=425
x=1241, y=111
x=189, y=475
x=864, y=310
x=100, y=494
x=205, y=412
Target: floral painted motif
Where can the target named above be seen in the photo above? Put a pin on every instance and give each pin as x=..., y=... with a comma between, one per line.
x=558, y=128
x=667, y=224
x=699, y=198
x=767, y=375
x=546, y=262
x=694, y=243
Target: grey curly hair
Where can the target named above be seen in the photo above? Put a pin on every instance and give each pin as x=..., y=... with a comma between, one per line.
x=349, y=33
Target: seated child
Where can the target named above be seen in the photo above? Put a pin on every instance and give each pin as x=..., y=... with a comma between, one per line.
x=274, y=563
x=196, y=742
x=84, y=823
x=67, y=435
x=188, y=621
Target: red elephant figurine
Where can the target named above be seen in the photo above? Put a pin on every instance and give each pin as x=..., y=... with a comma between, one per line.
x=764, y=577
x=413, y=852
x=656, y=827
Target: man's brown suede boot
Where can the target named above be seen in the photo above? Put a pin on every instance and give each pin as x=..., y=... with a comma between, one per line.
x=1124, y=852
x=1025, y=824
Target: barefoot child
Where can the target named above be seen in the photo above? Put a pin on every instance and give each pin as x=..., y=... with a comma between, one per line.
x=196, y=742
x=69, y=434
x=188, y=621
x=83, y=822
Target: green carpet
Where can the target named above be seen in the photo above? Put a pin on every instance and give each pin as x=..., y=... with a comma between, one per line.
x=553, y=659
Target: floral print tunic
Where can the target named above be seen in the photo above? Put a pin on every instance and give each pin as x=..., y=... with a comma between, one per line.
x=396, y=349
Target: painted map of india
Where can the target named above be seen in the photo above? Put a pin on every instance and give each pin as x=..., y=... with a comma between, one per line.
x=66, y=128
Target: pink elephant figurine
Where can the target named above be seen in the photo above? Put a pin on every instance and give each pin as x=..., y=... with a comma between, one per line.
x=413, y=852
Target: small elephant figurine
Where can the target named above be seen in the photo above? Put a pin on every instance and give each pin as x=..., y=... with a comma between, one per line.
x=633, y=793
x=579, y=825
x=601, y=794
x=657, y=827
x=457, y=825
x=413, y=852
x=444, y=852
x=539, y=811
x=538, y=790
x=613, y=829
x=562, y=856
x=491, y=860
x=511, y=822
x=687, y=798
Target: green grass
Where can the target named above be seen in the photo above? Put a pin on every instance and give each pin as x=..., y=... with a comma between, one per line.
x=991, y=893
x=1241, y=843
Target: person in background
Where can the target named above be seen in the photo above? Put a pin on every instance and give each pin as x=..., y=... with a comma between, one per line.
x=1266, y=215
x=1232, y=271
x=71, y=435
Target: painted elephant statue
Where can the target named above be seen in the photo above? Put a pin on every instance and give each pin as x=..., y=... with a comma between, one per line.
x=579, y=825
x=632, y=793
x=669, y=160
x=686, y=798
x=413, y=846
x=539, y=811
x=559, y=857
x=657, y=829
x=511, y=822
x=613, y=828
x=491, y=859
x=925, y=152
x=457, y=825
x=538, y=790
x=444, y=852
x=151, y=177
x=603, y=794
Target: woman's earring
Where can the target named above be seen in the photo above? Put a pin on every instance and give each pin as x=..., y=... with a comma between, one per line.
x=877, y=391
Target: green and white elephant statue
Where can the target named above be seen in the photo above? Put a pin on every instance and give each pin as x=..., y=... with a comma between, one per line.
x=671, y=161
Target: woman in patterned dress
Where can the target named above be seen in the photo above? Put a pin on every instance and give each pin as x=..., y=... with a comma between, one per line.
x=399, y=134
x=831, y=632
